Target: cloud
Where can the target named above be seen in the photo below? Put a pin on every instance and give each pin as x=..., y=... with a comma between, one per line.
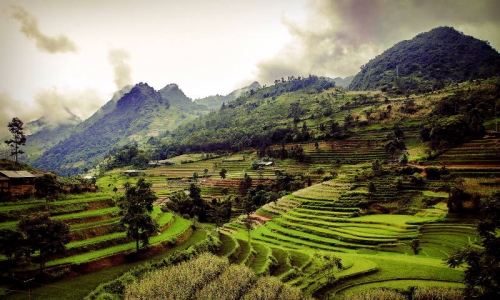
x=339, y=36
x=29, y=26
x=9, y=106
x=118, y=59
x=57, y=107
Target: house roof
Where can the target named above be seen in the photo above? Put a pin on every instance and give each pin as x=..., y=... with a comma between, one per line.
x=17, y=174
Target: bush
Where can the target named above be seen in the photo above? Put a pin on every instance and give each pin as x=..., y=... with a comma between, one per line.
x=376, y=294
x=437, y=293
x=417, y=179
x=433, y=173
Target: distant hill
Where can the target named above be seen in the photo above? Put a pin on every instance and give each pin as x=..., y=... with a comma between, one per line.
x=43, y=135
x=141, y=113
x=215, y=102
x=343, y=82
x=428, y=62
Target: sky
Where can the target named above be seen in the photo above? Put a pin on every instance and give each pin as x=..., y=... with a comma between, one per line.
x=70, y=56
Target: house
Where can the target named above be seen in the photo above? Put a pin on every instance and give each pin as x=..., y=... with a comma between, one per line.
x=266, y=163
x=132, y=173
x=16, y=183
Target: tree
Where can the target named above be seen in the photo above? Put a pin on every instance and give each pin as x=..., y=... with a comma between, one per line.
x=371, y=189
x=248, y=226
x=415, y=246
x=11, y=243
x=222, y=173
x=18, y=138
x=44, y=235
x=403, y=160
x=136, y=206
x=248, y=204
x=46, y=186
x=482, y=271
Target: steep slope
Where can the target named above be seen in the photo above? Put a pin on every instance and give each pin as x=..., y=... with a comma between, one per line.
x=137, y=116
x=269, y=115
x=43, y=135
x=428, y=62
x=215, y=102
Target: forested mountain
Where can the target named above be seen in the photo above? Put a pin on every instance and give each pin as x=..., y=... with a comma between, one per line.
x=215, y=102
x=140, y=114
x=269, y=115
x=428, y=62
x=41, y=136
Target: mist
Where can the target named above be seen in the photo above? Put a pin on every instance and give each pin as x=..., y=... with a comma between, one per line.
x=29, y=27
x=122, y=72
x=57, y=107
x=338, y=37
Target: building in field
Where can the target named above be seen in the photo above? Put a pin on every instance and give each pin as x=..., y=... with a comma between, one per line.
x=16, y=183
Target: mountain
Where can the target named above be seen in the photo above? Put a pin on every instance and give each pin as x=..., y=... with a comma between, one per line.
x=428, y=62
x=141, y=113
x=343, y=82
x=215, y=102
x=268, y=115
x=43, y=123
x=42, y=135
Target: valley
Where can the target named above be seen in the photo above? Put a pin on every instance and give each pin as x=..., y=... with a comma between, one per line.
x=304, y=188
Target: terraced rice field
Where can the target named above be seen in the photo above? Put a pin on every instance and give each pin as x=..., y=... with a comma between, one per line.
x=323, y=221
x=95, y=230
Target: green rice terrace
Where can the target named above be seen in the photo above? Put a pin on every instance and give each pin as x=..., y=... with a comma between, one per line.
x=300, y=237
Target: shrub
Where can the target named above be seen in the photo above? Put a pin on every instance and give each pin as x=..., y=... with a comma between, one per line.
x=376, y=294
x=437, y=293
x=433, y=173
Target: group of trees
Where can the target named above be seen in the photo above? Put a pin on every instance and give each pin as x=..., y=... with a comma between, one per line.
x=482, y=265
x=36, y=233
x=193, y=206
x=126, y=156
x=460, y=116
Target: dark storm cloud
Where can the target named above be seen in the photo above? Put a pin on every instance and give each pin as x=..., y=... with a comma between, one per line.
x=29, y=26
x=341, y=35
x=118, y=59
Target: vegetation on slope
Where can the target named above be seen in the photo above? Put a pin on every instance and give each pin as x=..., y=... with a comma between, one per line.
x=428, y=62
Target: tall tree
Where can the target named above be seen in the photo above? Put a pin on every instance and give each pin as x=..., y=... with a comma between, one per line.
x=136, y=207
x=44, y=235
x=18, y=138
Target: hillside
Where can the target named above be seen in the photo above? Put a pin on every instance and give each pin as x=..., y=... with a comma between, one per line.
x=269, y=115
x=215, y=102
x=137, y=116
x=428, y=62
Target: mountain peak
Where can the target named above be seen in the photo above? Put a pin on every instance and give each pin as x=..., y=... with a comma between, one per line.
x=174, y=95
x=428, y=62
x=139, y=96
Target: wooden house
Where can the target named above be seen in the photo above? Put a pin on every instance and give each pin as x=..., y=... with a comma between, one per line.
x=16, y=183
